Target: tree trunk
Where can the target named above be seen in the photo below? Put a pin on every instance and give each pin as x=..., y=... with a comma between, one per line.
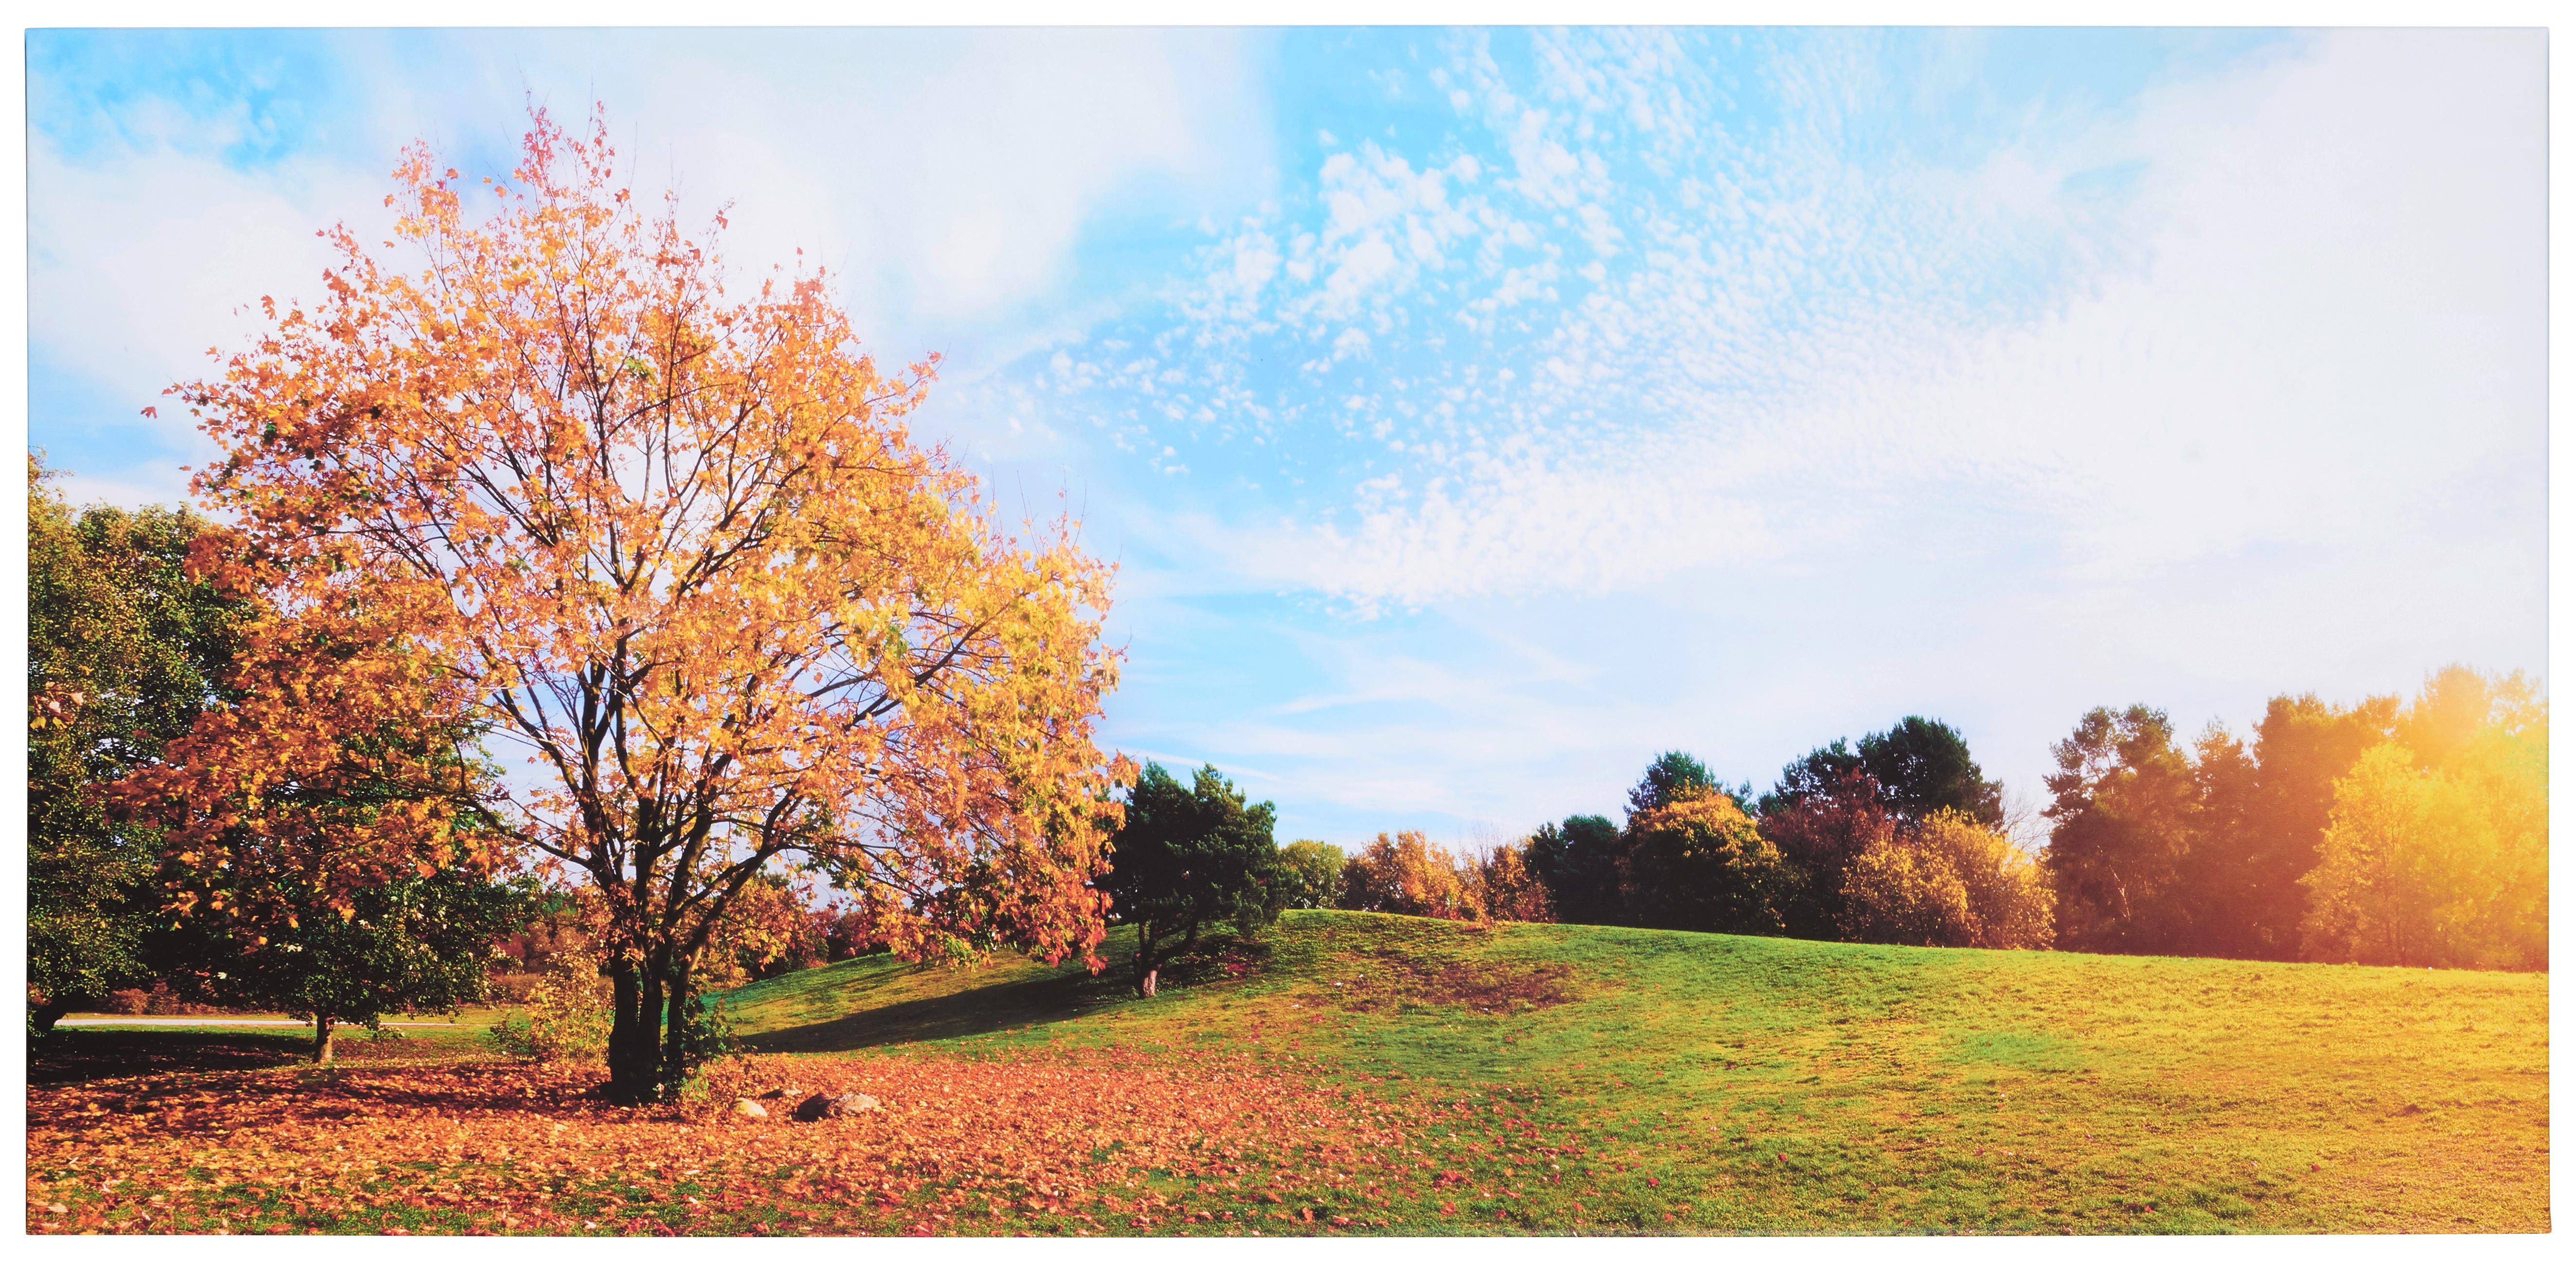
x=322, y=1031
x=675, y=1066
x=635, y=1037
x=1144, y=961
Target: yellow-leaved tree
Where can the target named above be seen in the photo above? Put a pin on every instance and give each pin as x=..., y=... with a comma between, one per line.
x=2436, y=852
x=671, y=540
x=1948, y=882
x=1409, y=875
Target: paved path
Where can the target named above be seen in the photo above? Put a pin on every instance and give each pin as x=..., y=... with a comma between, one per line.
x=307, y=1025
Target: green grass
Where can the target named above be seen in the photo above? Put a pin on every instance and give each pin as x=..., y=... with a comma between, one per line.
x=1767, y=1085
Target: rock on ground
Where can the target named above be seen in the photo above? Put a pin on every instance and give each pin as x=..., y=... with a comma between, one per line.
x=817, y=1107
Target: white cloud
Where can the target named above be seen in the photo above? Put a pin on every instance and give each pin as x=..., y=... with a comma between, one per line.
x=2271, y=419
x=2331, y=336
x=946, y=177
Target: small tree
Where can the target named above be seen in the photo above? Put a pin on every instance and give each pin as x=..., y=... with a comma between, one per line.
x=1409, y=876
x=1672, y=777
x=1700, y=863
x=1311, y=874
x=1821, y=824
x=1578, y=861
x=421, y=944
x=1189, y=857
x=1948, y=882
x=2440, y=858
x=1923, y=768
x=1508, y=887
x=2125, y=814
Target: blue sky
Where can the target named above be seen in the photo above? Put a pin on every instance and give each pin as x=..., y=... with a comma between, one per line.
x=1475, y=414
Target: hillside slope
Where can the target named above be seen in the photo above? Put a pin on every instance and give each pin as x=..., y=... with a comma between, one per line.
x=1785, y=1086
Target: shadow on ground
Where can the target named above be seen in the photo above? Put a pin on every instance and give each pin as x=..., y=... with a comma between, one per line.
x=84, y=1055
x=964, y=1014
x=858, y=1004
x=88, y=1054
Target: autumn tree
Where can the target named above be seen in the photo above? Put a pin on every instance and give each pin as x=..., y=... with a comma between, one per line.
x=1947, y=881
x=1408, y=875
x=667, y=537
x=1672, y=776
x=1699, y=862
x=2436, y=849
x=124, y=649
x=2264, y=815
x=1507, y=886
x=1187, y=858
x=1919, y=767
x=1820, y=826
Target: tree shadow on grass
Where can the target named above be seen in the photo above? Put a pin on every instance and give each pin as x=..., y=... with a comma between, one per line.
x=1046, y=998
x=85, y=1055
x=982, y=1010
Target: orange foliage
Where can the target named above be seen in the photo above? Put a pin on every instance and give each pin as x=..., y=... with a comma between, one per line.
x=679, y=547
x=1409, y=876
x=1119, y=1142
x=1508, y=890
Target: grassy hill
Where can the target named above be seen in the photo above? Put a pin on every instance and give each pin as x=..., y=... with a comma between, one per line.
x=1765, y=1085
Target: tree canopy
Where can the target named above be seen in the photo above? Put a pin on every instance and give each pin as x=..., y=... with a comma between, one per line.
x=669, y=538
x=124, y=650
x=1671, y=777
x=1919, y=766
x=1188, y=857
x=1310, y=873
x=1578, y=862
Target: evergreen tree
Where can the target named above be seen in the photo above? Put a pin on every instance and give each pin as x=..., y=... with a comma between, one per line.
x=1190, y=857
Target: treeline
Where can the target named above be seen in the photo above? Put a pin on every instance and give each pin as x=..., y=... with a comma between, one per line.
x=1895, y=839
x=2411, y=833
x=2387, y=832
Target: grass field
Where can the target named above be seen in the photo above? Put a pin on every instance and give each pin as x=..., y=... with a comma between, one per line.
x=1792, y=1086
x=1353, y=1072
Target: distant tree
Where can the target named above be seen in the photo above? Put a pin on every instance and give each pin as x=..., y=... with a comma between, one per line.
x=2442, y=859
x=1820, y=825
x=409, y=945
x=1948, y=882
x=1923, y=767
x=1578, y=862
x=2263, y=817
x=1920, y=767
x=1698, y=862
x=1409, y=876
x=1187, y=858
x=1901, y=894
x=2455, y=707
x=1311, y=874
x=124, y=650
x=1508, y=887
x=1673, y=776
x=2123, y=820
x=1825, y=770
x=774, y=930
